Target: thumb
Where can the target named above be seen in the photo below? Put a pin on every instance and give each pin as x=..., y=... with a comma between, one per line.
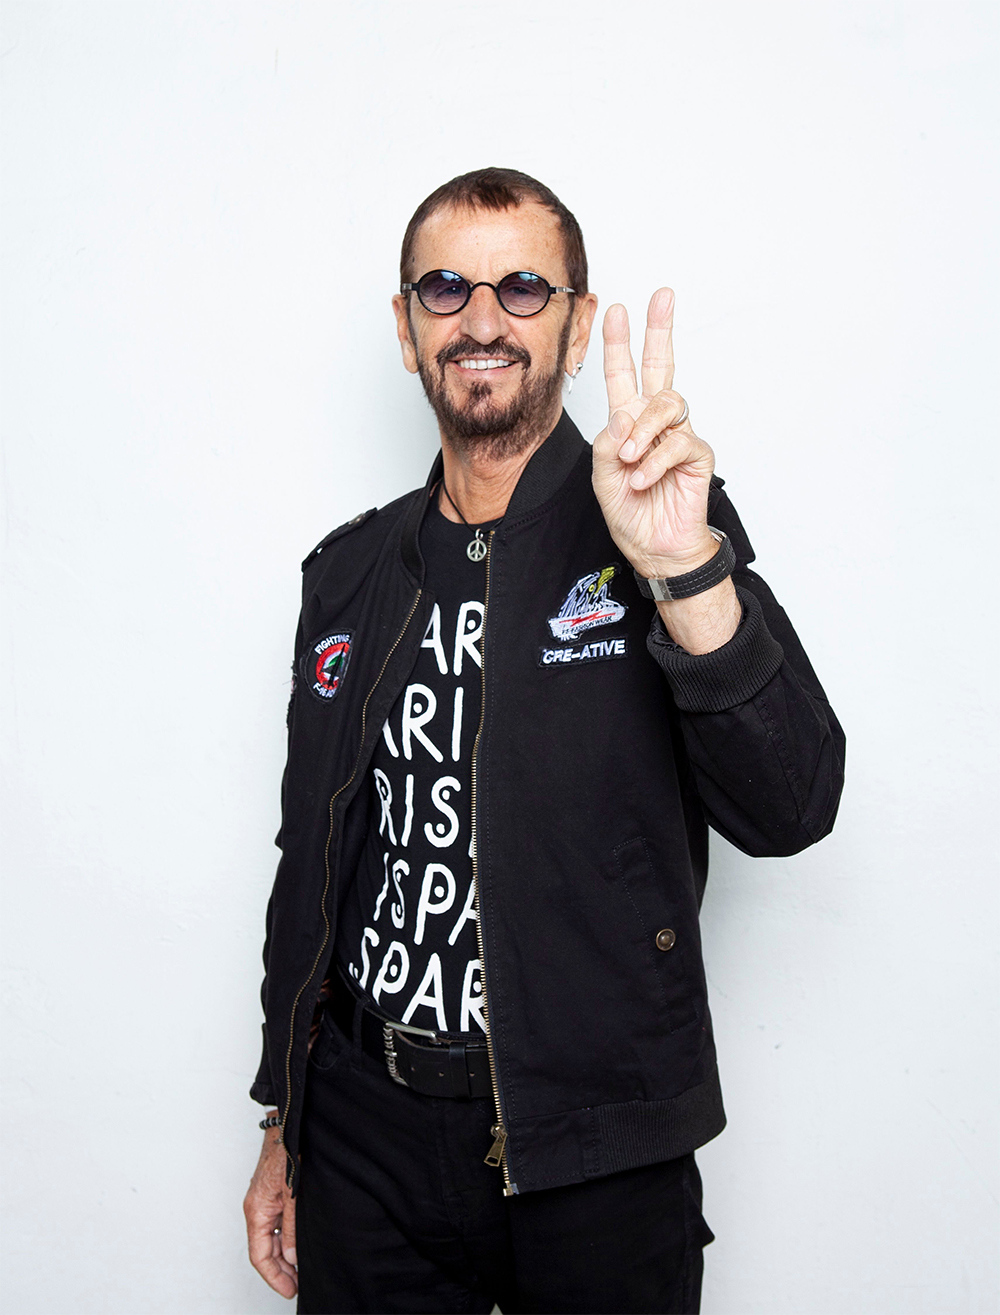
x=288, y=1249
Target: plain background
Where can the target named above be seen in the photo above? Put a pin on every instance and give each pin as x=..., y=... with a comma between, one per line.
x=203, y=205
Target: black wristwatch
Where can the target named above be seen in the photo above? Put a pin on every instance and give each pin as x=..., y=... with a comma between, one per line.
x=672, y=587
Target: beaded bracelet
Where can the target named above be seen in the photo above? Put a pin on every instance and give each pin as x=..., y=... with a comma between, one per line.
x=272, y=1121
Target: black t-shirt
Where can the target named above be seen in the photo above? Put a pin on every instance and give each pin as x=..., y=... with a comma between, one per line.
x=407, y=929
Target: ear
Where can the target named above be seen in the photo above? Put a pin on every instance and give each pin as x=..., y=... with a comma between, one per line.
x=583, y=321
x=400, y=307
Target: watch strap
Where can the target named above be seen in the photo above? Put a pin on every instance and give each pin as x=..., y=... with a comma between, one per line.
x=669, y=588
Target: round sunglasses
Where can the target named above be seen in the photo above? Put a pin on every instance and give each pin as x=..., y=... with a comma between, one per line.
x=443, y=292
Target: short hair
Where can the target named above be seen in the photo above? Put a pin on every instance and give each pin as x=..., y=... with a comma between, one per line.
x=499, y=189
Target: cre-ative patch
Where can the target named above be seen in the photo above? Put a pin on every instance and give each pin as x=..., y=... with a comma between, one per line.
x=574, y=655
x=587, y=605
x=324, y=664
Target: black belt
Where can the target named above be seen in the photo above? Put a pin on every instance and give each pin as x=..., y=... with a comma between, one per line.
x=457, y=1069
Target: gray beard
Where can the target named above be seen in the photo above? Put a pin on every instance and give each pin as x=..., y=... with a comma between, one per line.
x=483, y=427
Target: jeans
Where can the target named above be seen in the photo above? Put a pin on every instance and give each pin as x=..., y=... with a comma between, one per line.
x=397, y=1212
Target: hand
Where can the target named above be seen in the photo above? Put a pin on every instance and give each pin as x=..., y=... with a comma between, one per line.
x=269, y=1206
x=651, y=473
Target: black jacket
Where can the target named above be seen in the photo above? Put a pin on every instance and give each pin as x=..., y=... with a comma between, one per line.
x=594, y=778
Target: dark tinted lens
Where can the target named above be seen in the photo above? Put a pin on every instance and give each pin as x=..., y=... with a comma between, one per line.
x=523, y=293
x=443, y=292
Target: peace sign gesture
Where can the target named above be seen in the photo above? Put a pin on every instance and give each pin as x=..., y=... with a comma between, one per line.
x=651, y=471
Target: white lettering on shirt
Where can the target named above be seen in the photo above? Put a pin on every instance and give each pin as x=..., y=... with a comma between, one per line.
x=435, y=1001
x=415, y=717
x=441, y=834
x=437, y=895
x=392, y=976
x=466, y=638
x=432, y=639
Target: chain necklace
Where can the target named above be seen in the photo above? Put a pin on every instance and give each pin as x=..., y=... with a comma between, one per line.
x=477, y=547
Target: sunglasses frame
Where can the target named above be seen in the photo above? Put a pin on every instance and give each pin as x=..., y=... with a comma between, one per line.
x=471, y=287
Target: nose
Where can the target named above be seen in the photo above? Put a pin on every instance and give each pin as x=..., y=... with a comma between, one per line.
x=482, y=317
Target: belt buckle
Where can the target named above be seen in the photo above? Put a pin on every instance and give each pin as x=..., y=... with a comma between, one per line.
x=389, y=1031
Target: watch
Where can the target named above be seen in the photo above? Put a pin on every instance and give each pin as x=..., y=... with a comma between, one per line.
x=672, y=587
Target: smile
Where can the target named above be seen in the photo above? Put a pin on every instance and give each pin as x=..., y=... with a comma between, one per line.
x=484, y=363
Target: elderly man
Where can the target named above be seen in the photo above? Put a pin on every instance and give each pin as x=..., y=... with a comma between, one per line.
x=522, y=693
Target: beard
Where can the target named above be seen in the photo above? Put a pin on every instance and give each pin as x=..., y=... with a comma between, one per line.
x=482, y=425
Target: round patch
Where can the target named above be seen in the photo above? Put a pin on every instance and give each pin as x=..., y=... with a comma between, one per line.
x=325, y=662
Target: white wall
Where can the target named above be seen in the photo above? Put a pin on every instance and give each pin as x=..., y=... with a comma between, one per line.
x=203, y=208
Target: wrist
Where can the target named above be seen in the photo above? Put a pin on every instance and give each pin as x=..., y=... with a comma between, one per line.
x=705, y=622
x=666, y=565
x=697, y=579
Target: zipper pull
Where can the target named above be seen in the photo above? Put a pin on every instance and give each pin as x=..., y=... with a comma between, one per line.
x=495, y=1156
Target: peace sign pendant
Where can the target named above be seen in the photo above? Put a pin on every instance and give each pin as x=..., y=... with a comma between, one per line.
x=476, y=550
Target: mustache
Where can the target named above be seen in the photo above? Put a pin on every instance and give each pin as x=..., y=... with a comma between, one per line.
x=469, y=347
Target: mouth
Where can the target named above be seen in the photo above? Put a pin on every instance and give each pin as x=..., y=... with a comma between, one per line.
x=479, y=364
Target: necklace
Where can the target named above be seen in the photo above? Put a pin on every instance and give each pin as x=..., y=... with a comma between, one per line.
x=477, y=547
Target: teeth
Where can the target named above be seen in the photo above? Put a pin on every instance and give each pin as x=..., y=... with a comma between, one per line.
x=484, y=363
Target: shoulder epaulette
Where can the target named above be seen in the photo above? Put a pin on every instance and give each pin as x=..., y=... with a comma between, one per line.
x=352, y=524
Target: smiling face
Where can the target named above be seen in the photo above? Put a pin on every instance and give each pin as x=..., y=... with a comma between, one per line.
x=494, y=379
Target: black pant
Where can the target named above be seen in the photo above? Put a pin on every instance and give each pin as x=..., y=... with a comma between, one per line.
x=398, y=1213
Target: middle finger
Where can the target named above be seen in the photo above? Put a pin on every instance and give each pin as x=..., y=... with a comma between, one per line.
x=658, y=348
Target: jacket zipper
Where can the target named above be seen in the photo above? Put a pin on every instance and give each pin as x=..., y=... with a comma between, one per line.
x=326, y=887
x=497, y=1155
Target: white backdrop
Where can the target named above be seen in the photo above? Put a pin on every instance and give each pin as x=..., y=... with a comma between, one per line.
x=203, y=207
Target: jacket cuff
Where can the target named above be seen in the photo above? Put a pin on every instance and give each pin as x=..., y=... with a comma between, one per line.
x=726, y=677
x=262, y=1093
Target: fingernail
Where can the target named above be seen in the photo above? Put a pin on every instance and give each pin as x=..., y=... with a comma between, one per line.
x=638, y=479
x=627, y=451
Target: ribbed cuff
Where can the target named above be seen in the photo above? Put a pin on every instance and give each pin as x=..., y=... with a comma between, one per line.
x=730, y=675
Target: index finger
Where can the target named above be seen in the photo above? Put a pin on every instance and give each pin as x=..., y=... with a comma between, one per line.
x=619, y=368
x=658, y=348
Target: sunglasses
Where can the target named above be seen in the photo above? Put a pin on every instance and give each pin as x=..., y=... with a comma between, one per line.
x=443, y=292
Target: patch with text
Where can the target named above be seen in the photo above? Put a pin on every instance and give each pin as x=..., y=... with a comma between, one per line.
x=587, y=605
x=598, y=650
x=324, y=664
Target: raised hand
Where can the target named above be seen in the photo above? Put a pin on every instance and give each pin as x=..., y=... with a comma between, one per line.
x=651, y=470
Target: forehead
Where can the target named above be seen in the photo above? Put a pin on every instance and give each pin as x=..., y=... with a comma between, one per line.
x=486, y=244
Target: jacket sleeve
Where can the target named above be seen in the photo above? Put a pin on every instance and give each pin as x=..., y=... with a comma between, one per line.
x=264, y=1088
x=764, y=744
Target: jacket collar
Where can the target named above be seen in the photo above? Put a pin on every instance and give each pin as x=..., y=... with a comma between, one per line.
x=546, y=471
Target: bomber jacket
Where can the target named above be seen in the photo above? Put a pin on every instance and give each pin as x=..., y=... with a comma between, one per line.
x=600, y=762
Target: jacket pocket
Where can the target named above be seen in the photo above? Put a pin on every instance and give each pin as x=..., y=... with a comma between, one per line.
x=666, y=939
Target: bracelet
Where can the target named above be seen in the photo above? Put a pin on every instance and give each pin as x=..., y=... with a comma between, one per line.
x=272, y=1121
x=716, y=570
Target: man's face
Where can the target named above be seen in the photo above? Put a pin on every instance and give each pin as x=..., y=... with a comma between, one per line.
x=502, y=409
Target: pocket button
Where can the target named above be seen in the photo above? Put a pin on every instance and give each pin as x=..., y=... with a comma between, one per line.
x=665, y=939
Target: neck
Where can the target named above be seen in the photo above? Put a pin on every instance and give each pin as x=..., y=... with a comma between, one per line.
x=481, y=485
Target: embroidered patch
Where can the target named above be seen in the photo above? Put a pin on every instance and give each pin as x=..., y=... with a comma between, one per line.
x=587, y=605
x=325, y=662
x=598, y=650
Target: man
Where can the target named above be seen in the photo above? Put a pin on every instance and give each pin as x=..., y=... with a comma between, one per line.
x=521, y=693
